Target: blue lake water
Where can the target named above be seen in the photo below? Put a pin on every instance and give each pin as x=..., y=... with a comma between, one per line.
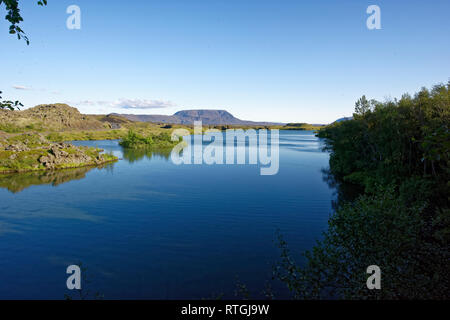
x=145, y=228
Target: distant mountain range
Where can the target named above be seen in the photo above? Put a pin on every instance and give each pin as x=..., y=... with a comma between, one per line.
x=208, y=117
x=62, y=117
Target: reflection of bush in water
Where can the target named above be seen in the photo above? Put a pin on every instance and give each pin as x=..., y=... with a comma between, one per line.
x=343, y=192
x=18, y=182
x=133, y=155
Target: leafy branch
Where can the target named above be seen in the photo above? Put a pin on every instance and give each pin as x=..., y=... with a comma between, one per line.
x=11, y=105
x=14, y=17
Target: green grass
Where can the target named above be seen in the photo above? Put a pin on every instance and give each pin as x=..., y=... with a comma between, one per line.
x=29, y=160
x=10, y=128
x=86, y=135
x=14, y=128
x=29, y=140
x=11, y=161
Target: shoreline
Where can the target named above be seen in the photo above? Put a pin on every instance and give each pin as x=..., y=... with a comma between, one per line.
x=5, y=172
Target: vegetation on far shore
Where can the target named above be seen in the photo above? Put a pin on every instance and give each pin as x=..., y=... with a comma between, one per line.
x=302, y=126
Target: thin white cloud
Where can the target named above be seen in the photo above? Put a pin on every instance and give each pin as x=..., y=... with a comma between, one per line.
x=84, y=103
x=135, y=104
x=141, y=104
x=17, y=87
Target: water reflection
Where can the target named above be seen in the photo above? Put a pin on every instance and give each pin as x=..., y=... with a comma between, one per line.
x=17, y=182
x=344, y=192
x=134, y=155
x=197, y=217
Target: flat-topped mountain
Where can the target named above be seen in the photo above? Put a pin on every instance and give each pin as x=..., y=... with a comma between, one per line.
x=208, y=117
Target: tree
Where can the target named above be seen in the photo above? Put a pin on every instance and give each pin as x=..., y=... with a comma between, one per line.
x=14, y=18
x=7, y=104
x=363, y=106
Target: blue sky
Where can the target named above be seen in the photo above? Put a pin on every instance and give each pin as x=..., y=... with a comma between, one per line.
x=287, y=61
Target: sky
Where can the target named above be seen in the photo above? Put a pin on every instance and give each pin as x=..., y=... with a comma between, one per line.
x=280, y=61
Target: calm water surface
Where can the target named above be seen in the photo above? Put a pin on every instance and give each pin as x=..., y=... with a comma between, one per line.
x=145, y=228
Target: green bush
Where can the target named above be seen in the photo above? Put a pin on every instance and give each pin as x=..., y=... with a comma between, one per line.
x=134, y=140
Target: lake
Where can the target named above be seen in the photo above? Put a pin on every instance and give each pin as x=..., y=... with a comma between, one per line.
x=145, y=228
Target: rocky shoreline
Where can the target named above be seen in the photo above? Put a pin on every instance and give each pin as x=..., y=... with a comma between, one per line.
x=32, y=152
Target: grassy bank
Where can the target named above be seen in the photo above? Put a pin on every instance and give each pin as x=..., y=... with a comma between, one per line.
x=142, y=129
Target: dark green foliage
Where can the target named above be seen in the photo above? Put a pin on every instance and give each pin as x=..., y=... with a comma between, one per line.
x=373, y=230
x=296, y=124
x=397, y=154
x=14, y=17
x=11, y=105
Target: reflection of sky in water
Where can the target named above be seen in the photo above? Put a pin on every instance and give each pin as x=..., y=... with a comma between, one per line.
x=146, y=228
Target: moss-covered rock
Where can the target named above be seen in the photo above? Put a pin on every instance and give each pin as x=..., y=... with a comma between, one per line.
x=28, y=152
